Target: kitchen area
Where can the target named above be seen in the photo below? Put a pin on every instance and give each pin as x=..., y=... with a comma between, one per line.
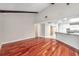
x=65, y=30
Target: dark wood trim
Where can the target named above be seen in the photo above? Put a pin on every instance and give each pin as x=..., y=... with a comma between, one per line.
x=14, y=11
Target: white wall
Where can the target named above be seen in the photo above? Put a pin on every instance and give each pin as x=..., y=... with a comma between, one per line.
x=43, y=30
x=1, y=27
x=18, y=26
x=57, y=11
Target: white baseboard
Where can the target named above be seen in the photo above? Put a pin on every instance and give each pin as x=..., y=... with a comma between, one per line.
x=15, y=40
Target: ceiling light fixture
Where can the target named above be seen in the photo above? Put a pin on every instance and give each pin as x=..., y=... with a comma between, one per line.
x=67, y=3
x=52, y=3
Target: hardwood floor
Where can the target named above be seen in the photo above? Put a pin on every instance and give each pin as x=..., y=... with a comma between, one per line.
x=38, y=47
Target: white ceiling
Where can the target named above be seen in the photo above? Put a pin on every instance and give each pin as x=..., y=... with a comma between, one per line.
x=35, y=7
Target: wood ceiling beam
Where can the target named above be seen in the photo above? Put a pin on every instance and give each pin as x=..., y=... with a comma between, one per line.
x=14, y=11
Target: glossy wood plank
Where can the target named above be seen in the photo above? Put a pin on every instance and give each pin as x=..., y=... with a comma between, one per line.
x=38, y=47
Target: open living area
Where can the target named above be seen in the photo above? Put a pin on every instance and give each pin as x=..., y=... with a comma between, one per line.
x=39, y=29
